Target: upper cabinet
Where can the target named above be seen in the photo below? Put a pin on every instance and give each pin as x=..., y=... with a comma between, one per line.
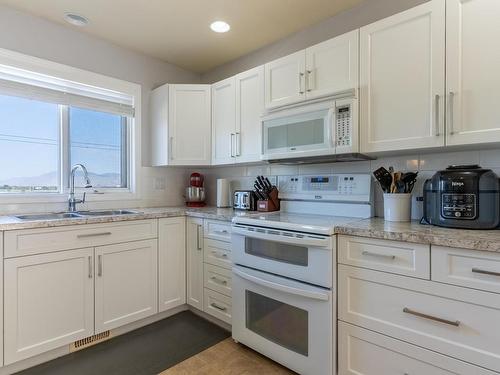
x=402, y=71
x=472, y=69
x=181, y=125
x=324, y=69
x=237, y=106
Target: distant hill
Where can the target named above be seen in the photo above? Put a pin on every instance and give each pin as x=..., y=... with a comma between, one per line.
x=51, y=179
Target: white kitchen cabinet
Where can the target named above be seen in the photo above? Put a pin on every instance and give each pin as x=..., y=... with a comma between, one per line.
x=249, y=109
x=402, y=67
x=332, y=66
x=194, y=250
x=171, y=262
x=181, y=125
x=285, y=80
x=49, y=302
x=472, y=61
x=223, y=122
x=126, y=283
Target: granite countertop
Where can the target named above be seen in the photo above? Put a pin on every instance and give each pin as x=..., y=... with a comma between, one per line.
x=485, y=240
x=227, y=214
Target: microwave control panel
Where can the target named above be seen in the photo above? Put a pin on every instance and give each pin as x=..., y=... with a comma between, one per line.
x=343, y=122
x=336, y=187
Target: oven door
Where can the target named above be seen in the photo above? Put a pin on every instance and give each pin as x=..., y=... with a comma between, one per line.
x=287, y=321
x=304, y=257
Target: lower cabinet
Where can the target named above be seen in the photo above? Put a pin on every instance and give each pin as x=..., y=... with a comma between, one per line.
x=364, y=352
x=49, y=302
x=194, y=250
x=171, y=263
x=125, y=284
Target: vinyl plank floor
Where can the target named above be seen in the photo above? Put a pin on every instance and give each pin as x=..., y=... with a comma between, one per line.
x=145, y=351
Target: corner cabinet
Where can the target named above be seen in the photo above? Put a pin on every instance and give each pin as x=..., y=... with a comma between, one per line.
x=402, y=67
x=180, y=116
x=223, y=122
x=322, y=70
x=472, y=61
x=171, y=262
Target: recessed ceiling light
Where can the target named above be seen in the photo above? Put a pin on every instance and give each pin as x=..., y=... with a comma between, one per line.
x=220, y=26
x=76, y=19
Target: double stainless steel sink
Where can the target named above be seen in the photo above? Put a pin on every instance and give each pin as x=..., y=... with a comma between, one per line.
x=78, y=214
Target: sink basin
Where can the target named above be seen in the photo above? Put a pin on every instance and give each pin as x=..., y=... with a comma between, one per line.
x=50, y=216
x=106, y=213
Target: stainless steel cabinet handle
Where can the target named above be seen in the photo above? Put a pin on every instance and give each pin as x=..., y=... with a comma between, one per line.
x=238, y=144
x=232, y=145
x=452, y=125
x=223, y=231
x=309, y=86
x=301, y=79
x=221, y=308
x=454, y=323
x=90, y=267
x=436, y=111
x=198, y=241
x=484, y=272
x=171, y=148
x=217, y=280
x=93, y=234
x=216, y=254
x=368, y=253
x=99, y=265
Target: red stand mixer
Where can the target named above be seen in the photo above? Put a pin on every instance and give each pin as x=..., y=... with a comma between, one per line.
x=195, y=192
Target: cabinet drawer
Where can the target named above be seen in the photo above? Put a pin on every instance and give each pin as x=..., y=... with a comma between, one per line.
x=217, y=305
x=217, y=253
x=459, y=322
x=468, y=268
x=37, y=241
x=363, y=352
x=218, y=279
x=218, y=230
x=390, y=256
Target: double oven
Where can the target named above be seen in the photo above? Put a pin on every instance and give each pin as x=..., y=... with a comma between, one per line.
x=283, y=298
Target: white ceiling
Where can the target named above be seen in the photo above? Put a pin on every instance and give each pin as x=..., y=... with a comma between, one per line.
x=178, y=31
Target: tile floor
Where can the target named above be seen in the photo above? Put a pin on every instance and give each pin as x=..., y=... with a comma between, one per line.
x=227, y=358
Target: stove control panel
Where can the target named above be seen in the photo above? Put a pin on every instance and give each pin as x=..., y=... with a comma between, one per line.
x=335, y=187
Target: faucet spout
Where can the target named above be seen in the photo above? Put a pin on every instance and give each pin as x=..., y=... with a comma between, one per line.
x=72, y=201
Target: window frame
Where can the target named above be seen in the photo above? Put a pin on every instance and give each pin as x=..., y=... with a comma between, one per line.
x=49, y=68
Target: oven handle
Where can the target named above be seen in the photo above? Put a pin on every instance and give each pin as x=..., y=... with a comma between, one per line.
x=282, y=288
x=305, y=241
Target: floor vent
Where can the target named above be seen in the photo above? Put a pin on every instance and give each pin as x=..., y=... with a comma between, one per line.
x=89, y=341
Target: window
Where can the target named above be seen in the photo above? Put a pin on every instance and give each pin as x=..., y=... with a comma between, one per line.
x=49, y=124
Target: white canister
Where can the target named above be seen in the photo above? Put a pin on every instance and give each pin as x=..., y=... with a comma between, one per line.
x=223, y=193
x=397, y=207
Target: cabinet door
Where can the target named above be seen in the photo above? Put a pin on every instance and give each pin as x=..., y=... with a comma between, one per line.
x=473, y=75
x=285, y=80
x=249, y=109
x=126, y=283
x=332, y=66
x=189, y=124
x=172, y=262
x=194, y=247
x=223, y=122
x=158, y=112
x=50, y=302
x=402, y=80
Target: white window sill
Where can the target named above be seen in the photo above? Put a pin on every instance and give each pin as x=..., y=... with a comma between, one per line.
x=63, y=197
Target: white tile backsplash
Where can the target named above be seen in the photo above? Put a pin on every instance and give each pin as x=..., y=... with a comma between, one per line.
x=438, y=161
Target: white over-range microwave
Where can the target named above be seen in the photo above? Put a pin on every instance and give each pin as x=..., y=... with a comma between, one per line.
x=326, y=129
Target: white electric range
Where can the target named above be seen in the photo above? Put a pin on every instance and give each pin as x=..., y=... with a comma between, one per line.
x=284, y=273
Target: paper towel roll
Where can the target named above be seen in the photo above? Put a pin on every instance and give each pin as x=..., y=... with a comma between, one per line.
x=223, y=193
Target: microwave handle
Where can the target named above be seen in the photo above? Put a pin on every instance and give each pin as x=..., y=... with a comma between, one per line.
x=330, y=118
x=280, y=287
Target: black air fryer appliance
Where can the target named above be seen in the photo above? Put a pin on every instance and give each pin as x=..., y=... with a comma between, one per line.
x=463, y=196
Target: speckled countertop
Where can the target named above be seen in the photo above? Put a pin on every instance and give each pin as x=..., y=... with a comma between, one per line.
x=486, y=240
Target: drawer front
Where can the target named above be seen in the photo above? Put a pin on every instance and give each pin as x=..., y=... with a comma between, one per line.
x=459, y=322
x=217, y=305
x=389, y=256
x=218, y=230
x=218, y=279
x=363, y=352
x=467, y=268
x=37, y=241
x=217, y=253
